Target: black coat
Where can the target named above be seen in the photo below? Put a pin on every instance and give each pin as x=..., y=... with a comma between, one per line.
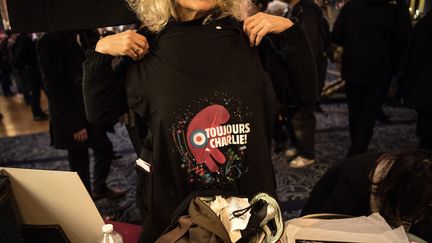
x=60, y=60
x=24, y=53
x=317, y=30
x=416, y=68
x=373, y=34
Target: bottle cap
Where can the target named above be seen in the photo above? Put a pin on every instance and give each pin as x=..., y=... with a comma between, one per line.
x=108, y=228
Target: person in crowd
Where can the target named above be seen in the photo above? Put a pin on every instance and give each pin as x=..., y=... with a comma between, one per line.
x=277, y=7
x=416, y=79
x=25, y=61
x=5, y=67
x=199, y=83
x=372, y=48
x=395, y=184
x=60, y=58
x=317, y=30
x=259, y=5
x=298, y=123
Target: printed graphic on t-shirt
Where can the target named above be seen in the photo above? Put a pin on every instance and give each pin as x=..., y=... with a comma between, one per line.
x=211, y=136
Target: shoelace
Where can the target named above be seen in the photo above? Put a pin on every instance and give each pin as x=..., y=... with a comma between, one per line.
x=271, y=223
x=273, y=214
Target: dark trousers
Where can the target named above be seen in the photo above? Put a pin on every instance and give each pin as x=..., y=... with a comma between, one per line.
x=31, y=87
x=6, y=83
x=301, y=131
x=79, y=161
x=424, y=130
x=364, y=100
x=299, y=128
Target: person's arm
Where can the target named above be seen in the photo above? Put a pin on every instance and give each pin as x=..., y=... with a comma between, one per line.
x=402, y=31
x=311, y=23
x=339, y=26
x=290, y=50
x=52, y=65
x=405, y=65
x=103, y=87
x=21, y=50
x=104, y=92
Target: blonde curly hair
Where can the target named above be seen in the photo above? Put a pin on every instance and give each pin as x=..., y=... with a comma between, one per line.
x=154, y=14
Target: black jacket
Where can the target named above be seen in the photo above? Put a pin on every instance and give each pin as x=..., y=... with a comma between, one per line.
x=416, y=68
x=373, y=34
x=60, y=59
x=317, y=30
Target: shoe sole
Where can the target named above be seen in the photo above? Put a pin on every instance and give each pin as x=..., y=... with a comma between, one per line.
x=292, y=165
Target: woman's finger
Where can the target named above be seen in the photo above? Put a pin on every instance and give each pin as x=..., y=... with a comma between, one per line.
x=247, y=23
x=85, y=135
x=78, y=137
x=260, y=35
x=139, y=46
x=132, y=54
x=81, y=136
x=141, y=37
x=254, y=32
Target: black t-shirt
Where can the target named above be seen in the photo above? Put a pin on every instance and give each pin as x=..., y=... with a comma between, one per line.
x=210, y=111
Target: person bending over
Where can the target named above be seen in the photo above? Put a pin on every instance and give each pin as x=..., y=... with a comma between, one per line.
x=395, y=184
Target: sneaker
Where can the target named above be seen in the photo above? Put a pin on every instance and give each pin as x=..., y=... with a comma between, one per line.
x=300, y=162
x=291, y=153
x=266, y=217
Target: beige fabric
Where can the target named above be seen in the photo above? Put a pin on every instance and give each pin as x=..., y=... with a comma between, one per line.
x=201, y=225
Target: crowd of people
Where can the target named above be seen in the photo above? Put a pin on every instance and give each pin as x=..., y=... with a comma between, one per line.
x=206, y=87
x=18, y=62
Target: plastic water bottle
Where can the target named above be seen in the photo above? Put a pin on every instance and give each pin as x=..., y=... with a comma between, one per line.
x=109, y=235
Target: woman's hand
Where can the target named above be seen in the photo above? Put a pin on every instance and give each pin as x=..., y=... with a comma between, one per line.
x=81, y=135
x=259, y=25
x=127, y=43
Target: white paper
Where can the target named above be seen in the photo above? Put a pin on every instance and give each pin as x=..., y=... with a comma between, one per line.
x=370, y=229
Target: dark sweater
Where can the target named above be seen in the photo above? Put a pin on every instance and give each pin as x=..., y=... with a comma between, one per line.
x=210, y=124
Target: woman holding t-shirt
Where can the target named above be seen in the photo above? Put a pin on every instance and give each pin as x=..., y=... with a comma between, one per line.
x=199, y=83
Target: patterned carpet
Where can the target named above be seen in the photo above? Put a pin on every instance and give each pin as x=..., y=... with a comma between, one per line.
x=332, y=141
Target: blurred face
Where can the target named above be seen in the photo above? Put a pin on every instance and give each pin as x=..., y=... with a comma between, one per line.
x=193, y=9
x=197, y=5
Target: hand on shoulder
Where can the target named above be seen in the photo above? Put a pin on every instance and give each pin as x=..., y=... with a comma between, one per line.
x=259, y=25
x=127, y=43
